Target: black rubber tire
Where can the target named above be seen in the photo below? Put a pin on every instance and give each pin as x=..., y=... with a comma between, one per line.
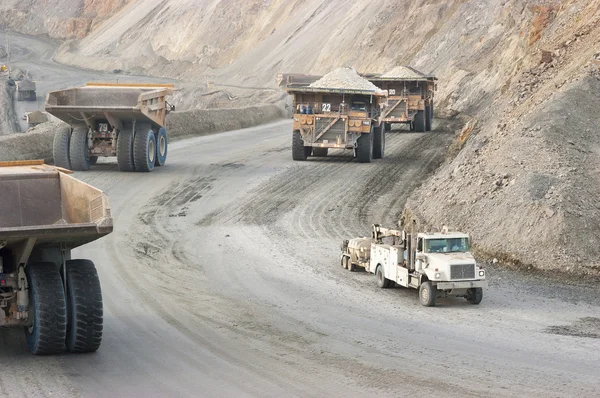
x=32, y=97
x=48, y=306
x=364, y=150
x=84, y=307
x=60, y=148
x=475, y=295
x=382, y=281
x=162, y=147
x=125, y=151
x=428, y=117
x=144, y=151
x=78, y=150
x=411, y=126
x=388, y=127
x=299, y=151
x=420, y=121
x=378, y=142
x=427, y=294
x=320, y=152
x=345, y=262
x=19, y=96
x=351, y=266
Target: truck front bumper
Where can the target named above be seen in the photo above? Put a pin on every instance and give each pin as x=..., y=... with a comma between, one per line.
x=461, y=285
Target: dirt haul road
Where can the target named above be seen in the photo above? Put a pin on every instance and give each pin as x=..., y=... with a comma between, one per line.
x=34, y=55
x=222, y=278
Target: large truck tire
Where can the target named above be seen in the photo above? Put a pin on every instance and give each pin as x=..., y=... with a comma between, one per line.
x=388, y=127
x=32, y=96
x=162, y=146
x=475, y=295
x=125, y=151
x=84, y=307
x=320, y=152
x=427, y=294
x=144, y=151
x=364, y=150
x=382, y=281
x=428, y=117
x=19, y=96
x=378, y=142
x=47, y=334
x=60, y=148
x=420, y=121
x=78, y=149
x=299, y=151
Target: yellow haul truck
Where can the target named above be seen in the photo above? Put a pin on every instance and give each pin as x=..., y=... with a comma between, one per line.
x=122, y=120
x=410, y=97
x=56, y=299
x=339, y=111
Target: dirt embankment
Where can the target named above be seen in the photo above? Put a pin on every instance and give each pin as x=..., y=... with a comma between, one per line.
x=37, y=142
x=528, y=193
x=8, y=120
x=59, y=19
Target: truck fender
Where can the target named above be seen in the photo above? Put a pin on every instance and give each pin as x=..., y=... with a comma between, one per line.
x=429, y=274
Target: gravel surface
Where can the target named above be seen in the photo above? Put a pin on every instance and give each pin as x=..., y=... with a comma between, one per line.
x=344, y=78
x=403, y=72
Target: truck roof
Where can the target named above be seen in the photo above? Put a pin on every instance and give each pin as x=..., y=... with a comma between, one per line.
x=440, y=235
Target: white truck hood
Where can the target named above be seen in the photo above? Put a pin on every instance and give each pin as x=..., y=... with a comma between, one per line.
x=434, y=259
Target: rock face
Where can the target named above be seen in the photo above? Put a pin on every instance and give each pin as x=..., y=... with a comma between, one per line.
x=61, y=19
x=527, y=191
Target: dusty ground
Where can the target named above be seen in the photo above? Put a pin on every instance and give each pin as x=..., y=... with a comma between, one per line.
x=223, y=276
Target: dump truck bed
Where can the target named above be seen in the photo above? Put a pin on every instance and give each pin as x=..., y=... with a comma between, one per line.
x=45, y=206
x=123, y=101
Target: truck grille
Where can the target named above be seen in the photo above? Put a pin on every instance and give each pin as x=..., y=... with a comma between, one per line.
x=462, y=271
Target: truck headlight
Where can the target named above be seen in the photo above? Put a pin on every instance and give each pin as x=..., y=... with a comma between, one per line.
x=481, y=273
x=295, y=119
x=437, y=276
x=366, y=122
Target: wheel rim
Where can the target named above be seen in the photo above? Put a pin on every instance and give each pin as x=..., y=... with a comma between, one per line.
x=380, y=277
x=151, y=151
x=162, y=146
x=425, y=295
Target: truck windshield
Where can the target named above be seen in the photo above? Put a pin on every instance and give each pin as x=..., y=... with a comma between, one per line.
x=447, y=245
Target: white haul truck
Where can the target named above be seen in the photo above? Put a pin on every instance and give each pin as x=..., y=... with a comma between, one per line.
x=437, y=264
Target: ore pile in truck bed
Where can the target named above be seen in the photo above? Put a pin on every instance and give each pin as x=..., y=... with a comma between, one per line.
x=345, y=79
x=403, y=72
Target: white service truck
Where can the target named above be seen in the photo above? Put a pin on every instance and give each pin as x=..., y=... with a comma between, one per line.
x=437, y=264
